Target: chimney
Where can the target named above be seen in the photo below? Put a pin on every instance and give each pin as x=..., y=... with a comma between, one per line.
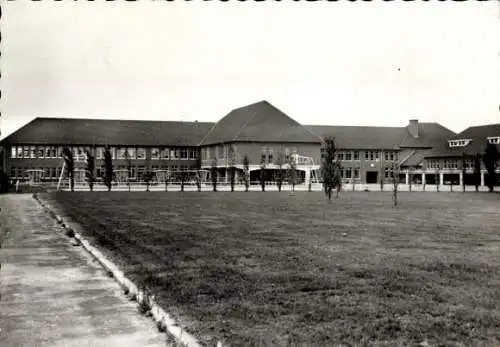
x=413, y=127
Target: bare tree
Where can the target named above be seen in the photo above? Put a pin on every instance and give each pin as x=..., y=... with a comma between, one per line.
x=463, y=172
x=395, y=169
x=183, y=178
x=438, y=179
x=129, y=168
x=70, y=166
x=477, y=171
x=490, y=158
x=89, y=170
x=263, y=173
x=213, y=174
x=292, y=171
x=330, y=168
x=108, y=168
x=280, y=161
x=246, y=172
x=232, y=169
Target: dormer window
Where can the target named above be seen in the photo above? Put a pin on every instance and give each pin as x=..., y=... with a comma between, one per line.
x=494, y=140
x=459, y=143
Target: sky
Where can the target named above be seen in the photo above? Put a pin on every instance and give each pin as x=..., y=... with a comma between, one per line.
x=331, y=63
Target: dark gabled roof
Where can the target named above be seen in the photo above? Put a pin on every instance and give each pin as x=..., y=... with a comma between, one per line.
x=258, y=122
x=373, y=137
x=109, y=132
x=430, y=135
x=360, y=137
x=478, y=135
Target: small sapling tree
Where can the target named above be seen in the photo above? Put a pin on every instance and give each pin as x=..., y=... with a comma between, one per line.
x=147, y=177
x=463, y=172
x=89, y=169
x=198, y=180
x=330, y=168
x=128, y=160
x=490, y=158
x=438, y=179
x=108, y=169
x=246, y=172
x=292, y=171
x=263, y=172
x=232, y=169
x=395, y=181
x=183, y=177
x=67, y=155
x=477, y=171
x=213, y=174
x=280, y=160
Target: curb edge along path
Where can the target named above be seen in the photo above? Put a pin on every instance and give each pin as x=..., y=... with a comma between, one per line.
x=159, y=315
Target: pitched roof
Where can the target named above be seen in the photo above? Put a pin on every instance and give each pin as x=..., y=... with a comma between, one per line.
x=478, y=135
x=374, y=137
x=430, y=135
x=109, y=132
x=258, y=122
x=360, y=137
x=413, y=157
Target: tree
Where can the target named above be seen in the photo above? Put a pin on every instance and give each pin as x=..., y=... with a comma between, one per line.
x=183, y=178
x=382, y=170
x=232, y=169
x=490, y=158
x=147, y=177
x=67, y=155
x=213, y=174
x=263, y=172
x=129, y=168
x=108, y=169
x=89, y=170
x=4, y=182
x=280, y=160
x=477, y=171
x=246, y=172
x=292, y=171
x=198, y=180
x=463, y=171
x=395, y=181
x=330, y=168
x=438, y=179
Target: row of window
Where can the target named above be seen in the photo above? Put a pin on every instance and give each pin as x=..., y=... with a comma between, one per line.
x=494, y=140
x=53, y=173
x=32, y=152
x=459, y=143
x=450, y=164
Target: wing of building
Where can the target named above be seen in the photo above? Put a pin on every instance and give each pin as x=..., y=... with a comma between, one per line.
x=260, y=131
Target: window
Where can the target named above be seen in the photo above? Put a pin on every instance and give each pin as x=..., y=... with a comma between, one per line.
x=19, y=152
x=348, y=155
x=13, y=152
x=132, y=153
x=348, y=173
x=356, y=173
x=220, y=151
x=32, y=152
x=450, y=164
x=120, y=152
x=141, y=153
x=13, y=172
x=459, y=143
x=155, y=153
x=355, y=155
x=433, y=164
x=184, y=153
x=468, y=164
x=340, y=155
x=371, y=155
x=164, y=153
x=494, y=140
x=389, y=156
x=26, y=152
x=270, y=156
x=99, y=153
x=59, y=151
x=193, y=153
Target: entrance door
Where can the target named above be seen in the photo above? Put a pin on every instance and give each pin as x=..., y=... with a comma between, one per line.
x=371, y=177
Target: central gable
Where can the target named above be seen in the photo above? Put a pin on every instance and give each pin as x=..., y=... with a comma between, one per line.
x=258, y=122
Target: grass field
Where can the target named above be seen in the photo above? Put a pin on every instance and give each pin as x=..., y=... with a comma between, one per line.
x=269, y=269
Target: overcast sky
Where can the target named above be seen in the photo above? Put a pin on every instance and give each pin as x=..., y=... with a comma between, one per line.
x=341, y=63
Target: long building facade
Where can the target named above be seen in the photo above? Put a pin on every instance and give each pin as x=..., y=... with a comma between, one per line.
x=427, y=153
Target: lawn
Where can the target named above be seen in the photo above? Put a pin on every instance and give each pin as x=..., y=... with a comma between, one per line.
x=270, y=269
